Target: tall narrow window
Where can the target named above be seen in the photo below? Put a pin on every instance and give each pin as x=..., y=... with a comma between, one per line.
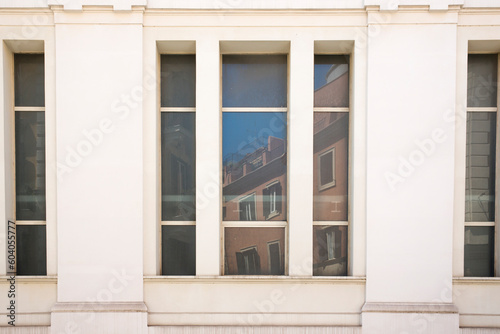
x=254, y=146
x=331, y=165
x=480, y=176
x=30, y=164
x=178, y=165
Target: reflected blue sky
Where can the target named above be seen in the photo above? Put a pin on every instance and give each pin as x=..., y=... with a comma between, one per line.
x=244, y=132
x=320, y=71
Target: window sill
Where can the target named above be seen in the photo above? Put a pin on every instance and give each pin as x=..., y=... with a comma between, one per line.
x=477, y=280
x=31, y=279
x=232, y=279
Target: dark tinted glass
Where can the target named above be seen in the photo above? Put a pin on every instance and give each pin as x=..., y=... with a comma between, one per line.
x=331, y=81
x=482, y=80
x=479, y=251
x=480, y=167
x=330, y=250
x=178, y=81
x=254, y=81
x=255, y=165
x=254, y=251
x=331, y=152
x=178, y=166
x=30, y=165
x=29, y=80
x=178, y=250
x=31, y=250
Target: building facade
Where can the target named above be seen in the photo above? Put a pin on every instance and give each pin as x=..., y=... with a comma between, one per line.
x=233, y=166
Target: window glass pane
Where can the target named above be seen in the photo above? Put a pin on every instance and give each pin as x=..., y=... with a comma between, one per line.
x=254, y=166
x=479, y=251
x=30, y=165
x=480, y=167
x=330, y=250
x=482, y=80
x=29, y=80
x=254, y=251
x=178, y=250
x=178, y=80
x=331, y=146
x=31, y=250
x=331, y=81
x=254, y=81
x=178, y=166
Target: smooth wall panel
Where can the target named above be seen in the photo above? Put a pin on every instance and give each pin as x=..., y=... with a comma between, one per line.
x=410, y=161
x=99, y=151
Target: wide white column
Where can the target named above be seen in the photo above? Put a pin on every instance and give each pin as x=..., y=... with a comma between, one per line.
x=99, y=87
x=208, y=157
x=410, y=181
x=301, y=124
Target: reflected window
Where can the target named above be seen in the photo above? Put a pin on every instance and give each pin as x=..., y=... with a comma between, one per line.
x=254, y=150
x=29, y=129
x=254, y=250
x=272, y=200
x=248, y=261
x=178, y=164
x=247, y=208
x=327, y=169
x=330, y=250
x=480, y=178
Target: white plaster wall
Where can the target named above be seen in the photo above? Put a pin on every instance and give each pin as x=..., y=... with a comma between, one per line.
x=411, y=90
x=99, y=84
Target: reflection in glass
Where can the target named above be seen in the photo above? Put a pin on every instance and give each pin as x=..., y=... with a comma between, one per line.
x=30, y=165
x=178, y=250
x=254, y=166
x=254, y=81
x=254, y=251
x=31, y=250
x=178, y=81
x=331, y=81
x=330, y=250
x=479, y=251
x=480, y=167
x=331, y=145
x=178, y=166
x=29, y=80
x=482, y=80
